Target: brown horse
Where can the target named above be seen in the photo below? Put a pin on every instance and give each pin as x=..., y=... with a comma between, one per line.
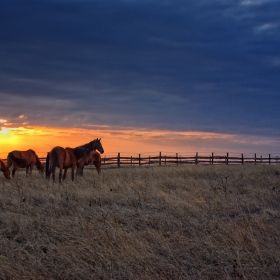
x=64, y=159
x=5, y=169
x=95, y=158
x=24, y=159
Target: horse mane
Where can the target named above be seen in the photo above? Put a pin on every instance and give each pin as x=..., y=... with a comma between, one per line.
x=94, y=145
x=80, y=152
x=88, y=145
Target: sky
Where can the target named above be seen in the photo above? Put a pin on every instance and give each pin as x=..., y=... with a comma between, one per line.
x=144, y=75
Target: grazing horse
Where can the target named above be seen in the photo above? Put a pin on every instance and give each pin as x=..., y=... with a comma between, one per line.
x=24, y=159
x=64, y=159
x=93, y=146
x=5, y=169
x=95, y=158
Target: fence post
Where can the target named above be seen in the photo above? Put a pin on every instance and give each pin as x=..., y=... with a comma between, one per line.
x=227, y=159
x=212, y=158
x=119, y=160
x=177, y=159
x=242, y=158
x=196, y=158
x=255, y=158
x=269, y=159
x=159, y=159
x=139, y=160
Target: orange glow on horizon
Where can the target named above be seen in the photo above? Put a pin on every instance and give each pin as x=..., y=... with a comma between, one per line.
x=126, y=141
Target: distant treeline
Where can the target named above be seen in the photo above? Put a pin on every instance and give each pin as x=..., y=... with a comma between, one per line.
x=161, y=159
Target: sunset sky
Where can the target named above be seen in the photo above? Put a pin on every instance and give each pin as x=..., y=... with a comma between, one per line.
x=144, y=75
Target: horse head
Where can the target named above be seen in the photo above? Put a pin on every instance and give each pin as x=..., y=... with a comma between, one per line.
x=98, y=146
x=41, y=169
x=5, y=170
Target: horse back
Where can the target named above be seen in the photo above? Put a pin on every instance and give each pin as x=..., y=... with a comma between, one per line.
x=17, y=159
x=70, y=158
x=28, y=155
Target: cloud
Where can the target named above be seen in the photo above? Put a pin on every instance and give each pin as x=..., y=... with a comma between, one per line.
x=180, y=65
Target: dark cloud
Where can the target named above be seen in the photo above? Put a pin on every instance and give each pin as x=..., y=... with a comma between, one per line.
x=188, y=65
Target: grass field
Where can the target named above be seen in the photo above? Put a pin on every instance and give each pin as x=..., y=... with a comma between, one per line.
x=185, y=222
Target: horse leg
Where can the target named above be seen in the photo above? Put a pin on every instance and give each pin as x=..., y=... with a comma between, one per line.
x=98, y=167
x=80, y=168
x=60, y=174
x=31, y=168
x=27, y=170
x=14, y=171
x=65, y=173
x=53, y=174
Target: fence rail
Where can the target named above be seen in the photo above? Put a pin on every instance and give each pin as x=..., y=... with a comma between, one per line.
x=159, y=160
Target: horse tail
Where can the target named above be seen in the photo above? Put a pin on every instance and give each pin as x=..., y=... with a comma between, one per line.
x=54, y=161
x=19, y=161
x=48, y=165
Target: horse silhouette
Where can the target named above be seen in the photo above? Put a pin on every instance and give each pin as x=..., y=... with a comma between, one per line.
x=24, y=159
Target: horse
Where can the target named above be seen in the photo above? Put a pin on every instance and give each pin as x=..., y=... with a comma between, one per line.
x=5, y=169
x=93, y=146
x=64, y=159
x=95, y=158
x=24, y=159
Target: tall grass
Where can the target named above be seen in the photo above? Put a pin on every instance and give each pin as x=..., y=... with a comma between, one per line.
x=185, y=222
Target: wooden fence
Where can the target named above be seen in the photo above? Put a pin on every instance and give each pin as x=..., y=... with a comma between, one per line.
x=160, y=160
x=196, y=159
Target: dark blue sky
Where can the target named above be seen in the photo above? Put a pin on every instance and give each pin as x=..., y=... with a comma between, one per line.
x=203, y=65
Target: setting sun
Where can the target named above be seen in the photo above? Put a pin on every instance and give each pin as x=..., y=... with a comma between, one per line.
x=8, y=138
x=4, y=130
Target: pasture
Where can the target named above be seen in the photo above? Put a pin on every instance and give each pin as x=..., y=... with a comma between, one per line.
x=168, y=222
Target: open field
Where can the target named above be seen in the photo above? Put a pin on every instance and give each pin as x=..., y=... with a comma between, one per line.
x=181, y=222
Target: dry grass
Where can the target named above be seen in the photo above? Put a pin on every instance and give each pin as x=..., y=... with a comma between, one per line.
x=186, y=222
